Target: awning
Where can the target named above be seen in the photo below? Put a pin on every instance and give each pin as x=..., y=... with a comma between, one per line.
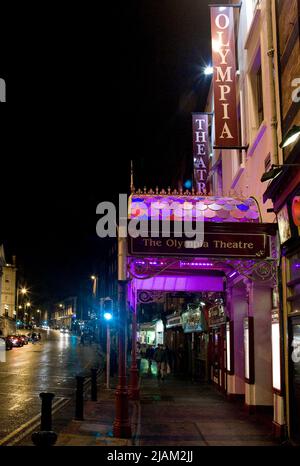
x=209, y=208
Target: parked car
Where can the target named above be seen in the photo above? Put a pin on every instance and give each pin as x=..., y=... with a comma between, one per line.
x=24, y=338
x=64, y=330
x=8, y=343
x=16, y=340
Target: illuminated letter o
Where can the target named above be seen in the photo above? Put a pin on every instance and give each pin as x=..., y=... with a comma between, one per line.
x=218, y=22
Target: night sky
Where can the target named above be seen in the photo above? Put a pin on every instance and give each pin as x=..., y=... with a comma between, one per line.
x=88, y=90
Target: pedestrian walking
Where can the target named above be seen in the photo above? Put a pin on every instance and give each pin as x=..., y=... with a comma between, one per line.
x=160, y=357
x=138, y=356
x=149, y=356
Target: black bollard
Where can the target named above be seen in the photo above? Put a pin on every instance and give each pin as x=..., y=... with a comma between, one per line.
x=79, y=397
x=46, y=437
x=46, y=415
x=94, y=384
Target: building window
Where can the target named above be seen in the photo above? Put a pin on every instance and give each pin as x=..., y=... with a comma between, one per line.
x=259, y=94
x=256, y=93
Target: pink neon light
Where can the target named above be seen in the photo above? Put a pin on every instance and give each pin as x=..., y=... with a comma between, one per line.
x=178, y=283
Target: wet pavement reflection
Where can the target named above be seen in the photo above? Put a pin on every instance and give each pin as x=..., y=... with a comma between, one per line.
x=49, y=365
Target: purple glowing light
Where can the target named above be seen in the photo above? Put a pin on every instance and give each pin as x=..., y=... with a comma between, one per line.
x=178, y=283
x=196, y=264
x=232, y=274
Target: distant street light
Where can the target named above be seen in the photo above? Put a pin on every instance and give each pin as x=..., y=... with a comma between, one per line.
x=23, y=291
x=94, y=278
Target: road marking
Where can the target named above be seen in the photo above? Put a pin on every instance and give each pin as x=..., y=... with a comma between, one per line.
x=33, y=422
x=14, y=407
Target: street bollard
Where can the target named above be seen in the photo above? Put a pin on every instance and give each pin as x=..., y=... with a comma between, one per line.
x=46, y=437
x=94, y=384
x=79, y=397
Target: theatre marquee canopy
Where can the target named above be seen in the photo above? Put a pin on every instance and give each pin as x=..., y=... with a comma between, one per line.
x=231, y=227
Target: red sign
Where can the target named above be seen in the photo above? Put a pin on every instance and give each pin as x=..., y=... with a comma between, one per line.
x=200, y=151
x=224, y=63
x=296, y=211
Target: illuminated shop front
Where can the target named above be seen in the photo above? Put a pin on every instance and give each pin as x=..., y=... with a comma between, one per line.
x=151, y=333
x=286, y=319
x=207, y=293
x=146, y=334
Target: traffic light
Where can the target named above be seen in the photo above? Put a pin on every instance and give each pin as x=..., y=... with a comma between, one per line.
x=108, y=309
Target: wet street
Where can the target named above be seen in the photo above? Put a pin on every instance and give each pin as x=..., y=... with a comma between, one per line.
x=49, y=365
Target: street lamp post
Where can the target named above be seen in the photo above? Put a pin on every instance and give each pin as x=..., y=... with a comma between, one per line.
x=94, y=278
x=107, y=317
x=27, y=305
x=121, y=427
x=23, y=291
x=134, y=373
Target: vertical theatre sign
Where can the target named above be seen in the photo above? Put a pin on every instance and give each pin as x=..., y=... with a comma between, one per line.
x=200, y=151
x=224, y=63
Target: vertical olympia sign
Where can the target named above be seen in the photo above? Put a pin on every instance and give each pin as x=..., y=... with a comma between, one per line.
x=224, y=78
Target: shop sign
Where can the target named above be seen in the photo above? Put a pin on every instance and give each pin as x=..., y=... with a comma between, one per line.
x=296, y=212
x=193, y=320
x=174, y=322
x=284, y=225
x=216, y=315
x=275, y=316
x=241, y=245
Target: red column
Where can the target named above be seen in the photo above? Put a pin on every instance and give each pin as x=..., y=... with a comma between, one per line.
x=134, y=375
x=122, y=427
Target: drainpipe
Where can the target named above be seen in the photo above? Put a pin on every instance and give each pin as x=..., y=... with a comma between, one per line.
x=271, y=53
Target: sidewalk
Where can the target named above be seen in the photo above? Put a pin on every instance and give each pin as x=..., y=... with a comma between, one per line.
x=177, y=412
x=173, y=412
x=95, y=429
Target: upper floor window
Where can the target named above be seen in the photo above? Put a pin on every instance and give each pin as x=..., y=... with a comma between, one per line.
x=259, y=94
x=256, y=85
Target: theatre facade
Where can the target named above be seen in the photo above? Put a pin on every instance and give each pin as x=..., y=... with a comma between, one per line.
x=218, y=300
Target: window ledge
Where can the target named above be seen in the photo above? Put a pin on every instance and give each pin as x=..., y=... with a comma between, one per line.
x=253, y=26
x=259, y=135
x=237, y=176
